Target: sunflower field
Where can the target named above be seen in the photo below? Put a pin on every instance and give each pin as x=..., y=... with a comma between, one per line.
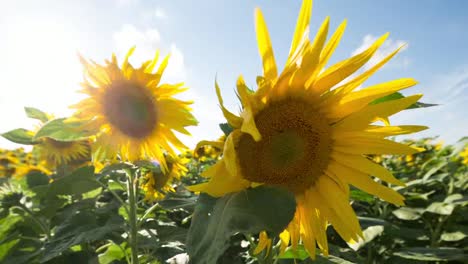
x=308, y=170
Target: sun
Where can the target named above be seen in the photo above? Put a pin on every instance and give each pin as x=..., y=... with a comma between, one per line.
x=309, y=130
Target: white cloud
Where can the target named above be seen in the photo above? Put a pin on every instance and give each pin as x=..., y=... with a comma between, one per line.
x=160, y=13
x=387, y=47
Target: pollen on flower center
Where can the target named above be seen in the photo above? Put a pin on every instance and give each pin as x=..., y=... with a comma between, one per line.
x=294, y=149
x=131, y=109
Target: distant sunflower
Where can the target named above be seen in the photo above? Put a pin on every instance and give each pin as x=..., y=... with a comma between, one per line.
x=464, y=155
x=57, y=153
x=22, y=170
x=134, y=114
x=157, y=184
x=309, y=130
x=8, y=161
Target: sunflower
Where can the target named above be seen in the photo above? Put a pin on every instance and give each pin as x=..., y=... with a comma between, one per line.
x=156, y=184
x=57, y=153
x=132, y=112
x=8, y=161
x=206, y=150
x=22, y=170
x=464, y=155
x=310, y=130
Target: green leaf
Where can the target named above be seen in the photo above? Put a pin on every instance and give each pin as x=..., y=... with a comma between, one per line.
x=34, y=179
x=80, y=181
x=390, y=97
x=226, y=128
x=81, y=227
x=298, y=253
x=330, y=259
x=440, y=208
x=113, y=252
x=35, y=113
x=175, y=203
x=6, y=224
x=250, y=211
x=359, y=195
x=62, y=130
x=453, y=236
x=369, y=234
x=20, y=136
x=432, y=254
x=407, y=213
x=6, y=246
x=398, y=95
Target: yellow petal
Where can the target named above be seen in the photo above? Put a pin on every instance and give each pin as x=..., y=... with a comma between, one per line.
x=355, y=101
x=310, y=58
x=264, y=46
x=232, y=119
x=302, y=26
x=216, y=144
x=341, y=70
x=362, y=181
x=125, y=62
x=331, y=46
x=363, y=164
x=373, y=146
x=263, y=242
x=248, y=126
x=221, y=182
x=284, y=238
x=363, y=117
x=377, y=132
x=150, y=67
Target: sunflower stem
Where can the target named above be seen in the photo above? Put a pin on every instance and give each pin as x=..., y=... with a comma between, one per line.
x=132, y=217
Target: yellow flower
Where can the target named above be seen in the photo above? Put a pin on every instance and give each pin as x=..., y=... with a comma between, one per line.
x=209, y=149
x=307, y=129
x=156, y=184
x=22, y=170
x=464, y=155
x=8, y=162
x=439, y=145
x=132, y=112
x=57, y=153
x=409, y=160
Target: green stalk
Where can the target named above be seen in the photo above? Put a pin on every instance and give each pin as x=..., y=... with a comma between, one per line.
x=132, y=217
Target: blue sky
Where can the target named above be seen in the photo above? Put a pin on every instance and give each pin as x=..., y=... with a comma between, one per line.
x=39, y=41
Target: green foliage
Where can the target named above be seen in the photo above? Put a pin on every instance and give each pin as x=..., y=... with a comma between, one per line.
x=398, y=95
x=20, y=136
x=250, y=211
x=35, y=113
x=62, y=129
x=82, y=217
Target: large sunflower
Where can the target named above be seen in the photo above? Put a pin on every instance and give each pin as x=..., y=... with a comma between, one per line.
x=134, y=114
x=309, y=130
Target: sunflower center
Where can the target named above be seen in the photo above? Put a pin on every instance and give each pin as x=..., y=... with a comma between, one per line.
x=131, y=109
x=295, y=146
